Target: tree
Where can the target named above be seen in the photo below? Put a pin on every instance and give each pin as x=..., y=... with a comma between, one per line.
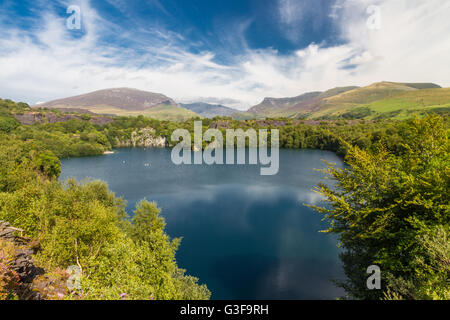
x=385, y=203
x=48, y=164
x=7, y=124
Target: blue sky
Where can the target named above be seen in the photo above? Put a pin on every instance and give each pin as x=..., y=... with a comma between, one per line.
x=231, y=52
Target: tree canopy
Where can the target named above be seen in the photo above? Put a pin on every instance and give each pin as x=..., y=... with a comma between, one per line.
x=392, y=209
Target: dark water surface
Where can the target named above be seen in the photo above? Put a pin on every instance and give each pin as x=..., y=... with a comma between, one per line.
x=246, y=236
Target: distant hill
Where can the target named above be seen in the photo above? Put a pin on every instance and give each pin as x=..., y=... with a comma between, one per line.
x=360, y=102
x=207, y=110
x=378, y=100
x=277, y=105
x=124, y=101
x=422, y=85
x=290, y=107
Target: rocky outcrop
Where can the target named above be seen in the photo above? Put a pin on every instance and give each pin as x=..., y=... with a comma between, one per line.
x=220, y=124
x=37, y=117
x=101, y=121
x=143, y=138
x=22, y=264
x=9, y=233
x=49, y=117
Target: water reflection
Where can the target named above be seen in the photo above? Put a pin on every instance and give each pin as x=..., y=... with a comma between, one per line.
x=244, y=235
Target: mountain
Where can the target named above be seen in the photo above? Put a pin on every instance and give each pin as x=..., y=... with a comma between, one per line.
x=278, y=105
x=291, y=107
x=121, y=98
x=378, y=100
x=207, y=110
x=124, y=101
x=375, y=101
x=362, y=100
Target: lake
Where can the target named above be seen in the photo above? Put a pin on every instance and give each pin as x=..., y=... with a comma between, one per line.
x=245, y=236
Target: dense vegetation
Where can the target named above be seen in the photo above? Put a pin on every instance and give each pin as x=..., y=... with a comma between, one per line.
x=84, y=224
x=391, y=209
x=75, y=137
x=390, y=206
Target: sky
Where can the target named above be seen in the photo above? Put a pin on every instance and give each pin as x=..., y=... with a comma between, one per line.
x=232, y=52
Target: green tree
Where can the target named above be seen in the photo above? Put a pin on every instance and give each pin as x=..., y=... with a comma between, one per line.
x=383, y=205
x=48, y=164
x=7, y=124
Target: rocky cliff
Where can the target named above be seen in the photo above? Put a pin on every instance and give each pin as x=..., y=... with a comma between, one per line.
x=20, y=277
x=18, y=266
x=30, y=118
x=145, y=137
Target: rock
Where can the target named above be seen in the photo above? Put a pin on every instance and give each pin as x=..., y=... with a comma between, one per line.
x=22, y=264
x=143, y=138
x=49, y=117
x=101, y=121
x=220, y=124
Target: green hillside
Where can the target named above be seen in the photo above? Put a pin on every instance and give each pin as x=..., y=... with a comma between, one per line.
x=171, y=113
x=396, y=104
x=380, y=100
x=370, y=93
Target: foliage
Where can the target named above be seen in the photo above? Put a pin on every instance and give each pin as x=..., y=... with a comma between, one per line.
x=86, y=225
x=390, y=206
x=387, y=206
x=357, y=113
x=432, y=278
x=7, y=124
x=9, y=280
x=48, y=164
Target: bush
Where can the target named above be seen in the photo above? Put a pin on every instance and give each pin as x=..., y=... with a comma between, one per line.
x=387, y=208
x=48, y=164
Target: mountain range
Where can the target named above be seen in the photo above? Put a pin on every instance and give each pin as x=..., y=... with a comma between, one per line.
x=378, y=100
x=207, y=110
x=124, y=102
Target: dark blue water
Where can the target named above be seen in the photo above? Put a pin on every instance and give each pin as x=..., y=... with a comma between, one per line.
x=246, y=236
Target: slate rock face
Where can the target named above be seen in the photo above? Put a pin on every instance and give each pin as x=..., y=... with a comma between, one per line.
x=22, y=264
x=145, y=138
x=36, y=117
x=101, y=121
x=29, y=118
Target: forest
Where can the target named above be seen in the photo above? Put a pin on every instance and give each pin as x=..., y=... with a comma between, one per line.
x=390, y=206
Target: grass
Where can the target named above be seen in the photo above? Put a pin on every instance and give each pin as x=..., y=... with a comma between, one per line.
x=374, y=92
x=395, y=104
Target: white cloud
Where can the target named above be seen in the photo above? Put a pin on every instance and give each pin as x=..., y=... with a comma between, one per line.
x=291, y=11
x=47, y=62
